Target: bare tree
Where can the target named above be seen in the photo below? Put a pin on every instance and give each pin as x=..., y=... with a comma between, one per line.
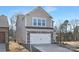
x=13, y=26
x=75, y=24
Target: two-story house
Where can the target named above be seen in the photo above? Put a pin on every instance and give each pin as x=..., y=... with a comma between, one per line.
x=36, y=27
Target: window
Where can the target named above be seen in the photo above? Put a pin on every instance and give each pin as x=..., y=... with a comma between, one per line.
x=34, y=22
x=43, y=22
x=39, y=22
x=52, y=23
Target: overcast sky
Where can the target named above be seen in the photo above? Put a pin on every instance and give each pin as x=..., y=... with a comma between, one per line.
x=59, y=13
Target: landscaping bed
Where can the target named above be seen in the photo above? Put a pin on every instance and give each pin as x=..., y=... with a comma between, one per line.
x=16, y=47
x=73, y=45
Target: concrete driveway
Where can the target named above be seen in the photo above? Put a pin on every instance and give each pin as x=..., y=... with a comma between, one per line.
x=2, y=47
x=51, y=48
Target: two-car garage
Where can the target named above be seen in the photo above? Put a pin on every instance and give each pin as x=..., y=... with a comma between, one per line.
x=40, y=38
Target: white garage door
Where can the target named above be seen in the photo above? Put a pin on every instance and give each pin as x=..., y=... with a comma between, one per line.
x=38, y=38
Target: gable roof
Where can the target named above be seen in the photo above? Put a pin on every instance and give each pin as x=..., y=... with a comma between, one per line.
x=39, y=8
x=3, y=21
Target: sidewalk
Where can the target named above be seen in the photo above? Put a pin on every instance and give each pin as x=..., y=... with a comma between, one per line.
x=2, y=47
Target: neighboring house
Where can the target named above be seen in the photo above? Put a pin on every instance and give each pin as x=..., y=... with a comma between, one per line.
x=4, y=29
x=36, y=27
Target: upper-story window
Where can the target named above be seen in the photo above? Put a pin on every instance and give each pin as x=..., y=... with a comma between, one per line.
x=39, y=22
x=43, y=22
x=36, y=21
x=52, y=23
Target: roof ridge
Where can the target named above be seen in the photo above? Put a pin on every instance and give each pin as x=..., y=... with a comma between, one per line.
x=40, y=7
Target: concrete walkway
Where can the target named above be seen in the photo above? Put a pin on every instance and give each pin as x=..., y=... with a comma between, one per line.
x=2, y=47
x=51, y=48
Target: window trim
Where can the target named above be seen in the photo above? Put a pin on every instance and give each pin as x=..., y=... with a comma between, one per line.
x=37, y=21
x=33, y=22
x=42, y=22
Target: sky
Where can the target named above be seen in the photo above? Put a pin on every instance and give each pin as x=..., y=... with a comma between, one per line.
x=59, y=13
